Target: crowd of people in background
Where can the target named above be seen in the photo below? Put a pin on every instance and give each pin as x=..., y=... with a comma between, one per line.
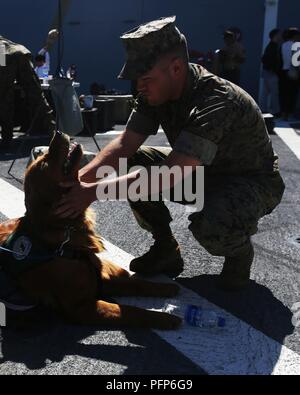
x=281, y=78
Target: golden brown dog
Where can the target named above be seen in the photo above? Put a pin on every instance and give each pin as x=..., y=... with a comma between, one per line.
x=60, y=267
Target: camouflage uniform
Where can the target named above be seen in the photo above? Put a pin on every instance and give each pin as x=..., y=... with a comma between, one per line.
x=19, y=69
x=218, y=123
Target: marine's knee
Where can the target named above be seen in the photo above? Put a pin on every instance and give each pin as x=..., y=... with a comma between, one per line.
x=139, y=158
x=209, y=223
x=211, y=233
x=219, y=235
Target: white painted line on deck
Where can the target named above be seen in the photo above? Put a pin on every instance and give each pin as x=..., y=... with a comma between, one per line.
x=239, y=349
x=111, y=133
x=118, y=132
x=11, y=200
x=290, y=138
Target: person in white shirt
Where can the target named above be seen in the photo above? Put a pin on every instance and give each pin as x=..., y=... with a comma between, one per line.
x=42, y=60
x=289, y=82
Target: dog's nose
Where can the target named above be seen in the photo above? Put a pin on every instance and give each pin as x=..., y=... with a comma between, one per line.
x=60, y=136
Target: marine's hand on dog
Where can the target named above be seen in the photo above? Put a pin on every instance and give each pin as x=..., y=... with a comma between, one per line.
x=76, y=200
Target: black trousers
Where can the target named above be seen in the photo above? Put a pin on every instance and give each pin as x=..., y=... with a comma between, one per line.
x=7, y=125
x=288, y=93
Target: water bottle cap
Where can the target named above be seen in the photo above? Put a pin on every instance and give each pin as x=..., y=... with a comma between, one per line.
x=221, y=322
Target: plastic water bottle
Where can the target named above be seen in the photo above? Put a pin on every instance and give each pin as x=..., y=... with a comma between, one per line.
x=195, y=316
x=203, y=318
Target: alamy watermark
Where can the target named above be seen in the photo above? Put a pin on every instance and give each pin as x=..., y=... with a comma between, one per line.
x=296, y=54
x=2, y=314
x=154, y=184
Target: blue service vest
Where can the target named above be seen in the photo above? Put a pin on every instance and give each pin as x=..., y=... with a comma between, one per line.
x=23, y=253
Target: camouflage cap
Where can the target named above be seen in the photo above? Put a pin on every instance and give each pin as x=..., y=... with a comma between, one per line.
x=146, y=43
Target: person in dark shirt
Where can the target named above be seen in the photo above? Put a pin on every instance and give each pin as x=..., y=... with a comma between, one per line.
x=272, y=65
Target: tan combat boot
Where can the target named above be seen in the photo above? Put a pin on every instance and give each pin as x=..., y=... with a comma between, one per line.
x=163, y=257
x=235, y=275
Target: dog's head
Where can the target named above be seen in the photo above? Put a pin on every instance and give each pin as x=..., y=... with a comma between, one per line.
x=43, y=177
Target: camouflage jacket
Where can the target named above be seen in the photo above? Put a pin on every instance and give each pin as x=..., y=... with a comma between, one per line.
x=214, y=121
x=18, y=61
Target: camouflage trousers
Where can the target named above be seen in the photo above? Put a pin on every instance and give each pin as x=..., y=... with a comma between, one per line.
x=233, y=206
